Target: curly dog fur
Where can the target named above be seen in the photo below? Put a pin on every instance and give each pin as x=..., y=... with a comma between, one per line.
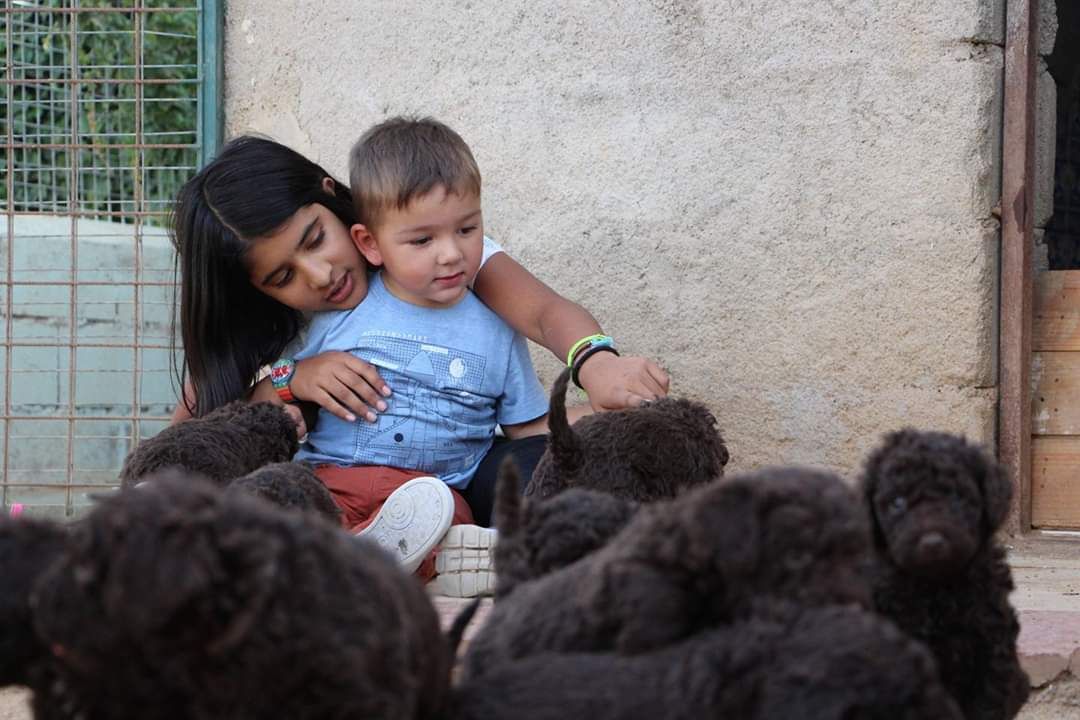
x=688, y=564
x=830, y=663
x=224, y=444
x=289, y=485
x=177, y=600
x=643, y=453
x=27, y=547
x=539, y=536
x=935, y=502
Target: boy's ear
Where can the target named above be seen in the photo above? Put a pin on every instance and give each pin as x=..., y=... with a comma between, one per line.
x=365, y=243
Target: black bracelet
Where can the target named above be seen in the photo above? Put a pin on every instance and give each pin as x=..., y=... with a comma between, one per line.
x=585, y=355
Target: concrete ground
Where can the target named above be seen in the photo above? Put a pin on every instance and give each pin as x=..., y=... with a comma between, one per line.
x=1047, y=575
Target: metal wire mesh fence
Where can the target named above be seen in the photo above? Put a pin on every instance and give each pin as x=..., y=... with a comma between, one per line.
x=101, y=125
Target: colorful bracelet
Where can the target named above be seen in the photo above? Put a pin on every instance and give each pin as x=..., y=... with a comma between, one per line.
x=591, y=340
x=585, y=355
x=281, y=374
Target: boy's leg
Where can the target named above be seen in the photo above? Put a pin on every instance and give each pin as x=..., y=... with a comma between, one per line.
x=464, y=562
x=405, y=512
x=526, y=453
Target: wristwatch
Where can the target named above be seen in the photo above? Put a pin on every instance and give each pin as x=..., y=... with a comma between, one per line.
x=281, y=374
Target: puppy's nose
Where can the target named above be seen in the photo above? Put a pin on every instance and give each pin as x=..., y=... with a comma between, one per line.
x=932, y=546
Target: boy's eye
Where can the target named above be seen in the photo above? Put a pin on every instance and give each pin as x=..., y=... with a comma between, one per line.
x=420, y=241
x=468, y=229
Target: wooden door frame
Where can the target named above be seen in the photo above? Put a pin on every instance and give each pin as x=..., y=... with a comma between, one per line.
x=1017, y=219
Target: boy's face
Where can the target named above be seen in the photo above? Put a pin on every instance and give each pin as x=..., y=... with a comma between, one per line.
x=310, y=263
x=430, y=250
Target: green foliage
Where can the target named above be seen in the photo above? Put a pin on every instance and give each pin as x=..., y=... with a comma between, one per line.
x=110, y=112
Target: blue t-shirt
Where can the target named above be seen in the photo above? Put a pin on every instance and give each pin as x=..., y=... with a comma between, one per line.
x=456, y=372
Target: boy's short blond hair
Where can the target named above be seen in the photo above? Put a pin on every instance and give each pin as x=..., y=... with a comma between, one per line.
x=403, y=158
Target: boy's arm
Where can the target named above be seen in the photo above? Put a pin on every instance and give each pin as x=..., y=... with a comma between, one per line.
x=545, y=317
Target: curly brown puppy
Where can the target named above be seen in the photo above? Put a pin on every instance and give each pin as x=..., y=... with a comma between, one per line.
x=935, y=502
x=224, y=444
x=831, y=663
x=27, y=547
x=539, y=536
x=688, y=564
x=176, y=600
x=289, y=485
x=643, y=453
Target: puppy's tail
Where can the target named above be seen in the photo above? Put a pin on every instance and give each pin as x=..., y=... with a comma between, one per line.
x=562, y=441
x=508, y=499
x=457, y=628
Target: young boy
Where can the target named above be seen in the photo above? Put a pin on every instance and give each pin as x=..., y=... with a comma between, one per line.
x=457, y=369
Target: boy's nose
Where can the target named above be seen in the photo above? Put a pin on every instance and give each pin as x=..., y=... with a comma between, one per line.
x=450, y=253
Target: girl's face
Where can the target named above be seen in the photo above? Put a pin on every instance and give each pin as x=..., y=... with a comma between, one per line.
x=310, y=263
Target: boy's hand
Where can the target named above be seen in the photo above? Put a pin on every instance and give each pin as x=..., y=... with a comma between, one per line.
x=614, y=383
x=342, y=384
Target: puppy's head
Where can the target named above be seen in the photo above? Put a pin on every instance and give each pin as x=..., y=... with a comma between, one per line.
x=161, y=569
x=813, y=537
x=791, y=532
x=934, y=499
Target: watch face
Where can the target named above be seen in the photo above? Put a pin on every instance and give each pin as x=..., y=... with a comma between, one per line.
x=281, y=371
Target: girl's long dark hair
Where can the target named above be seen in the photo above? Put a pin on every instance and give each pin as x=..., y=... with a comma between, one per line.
x=229, y=329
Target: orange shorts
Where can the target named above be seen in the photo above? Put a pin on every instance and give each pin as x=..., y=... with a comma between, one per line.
x=362, y=490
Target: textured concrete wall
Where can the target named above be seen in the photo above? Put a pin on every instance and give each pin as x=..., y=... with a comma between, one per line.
x=789, y=204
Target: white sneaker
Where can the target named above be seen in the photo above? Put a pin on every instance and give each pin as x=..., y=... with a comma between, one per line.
x=464, y=562
x=412, y=520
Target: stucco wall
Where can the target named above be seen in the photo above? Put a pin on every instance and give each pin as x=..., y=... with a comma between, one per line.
x=789, y=204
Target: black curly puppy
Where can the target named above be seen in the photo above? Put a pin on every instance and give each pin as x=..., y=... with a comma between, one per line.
x=289, y=485
x=688, y=564
x=830, y=663
x=539, y=536
x=224, y=444
x=935, y=502
x=643, y=453
x=27, y=547
x=177, y=600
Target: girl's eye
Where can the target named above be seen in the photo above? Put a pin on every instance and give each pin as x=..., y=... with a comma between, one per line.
x=317, y=240
x=286, y=278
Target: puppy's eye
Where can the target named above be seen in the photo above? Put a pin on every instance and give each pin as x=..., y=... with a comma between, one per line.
x=898, y=505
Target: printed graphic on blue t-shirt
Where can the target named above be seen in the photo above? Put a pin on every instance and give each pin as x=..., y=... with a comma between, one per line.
x=455, y=373
x=429, y=381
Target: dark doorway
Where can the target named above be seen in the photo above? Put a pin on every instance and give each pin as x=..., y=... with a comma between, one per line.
x=1063, y=230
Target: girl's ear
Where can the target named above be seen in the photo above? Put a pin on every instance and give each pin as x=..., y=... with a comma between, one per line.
x=366, y=244
x=328, y=185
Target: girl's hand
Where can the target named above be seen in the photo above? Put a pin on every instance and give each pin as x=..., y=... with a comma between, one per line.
x=342, y=384
x=297, y=416
x=614, y=383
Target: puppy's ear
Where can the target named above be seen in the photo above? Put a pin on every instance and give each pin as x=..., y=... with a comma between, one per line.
x=727, y=528
x=995, y=486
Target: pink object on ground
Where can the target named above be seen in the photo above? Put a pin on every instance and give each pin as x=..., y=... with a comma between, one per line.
x=15, y=510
